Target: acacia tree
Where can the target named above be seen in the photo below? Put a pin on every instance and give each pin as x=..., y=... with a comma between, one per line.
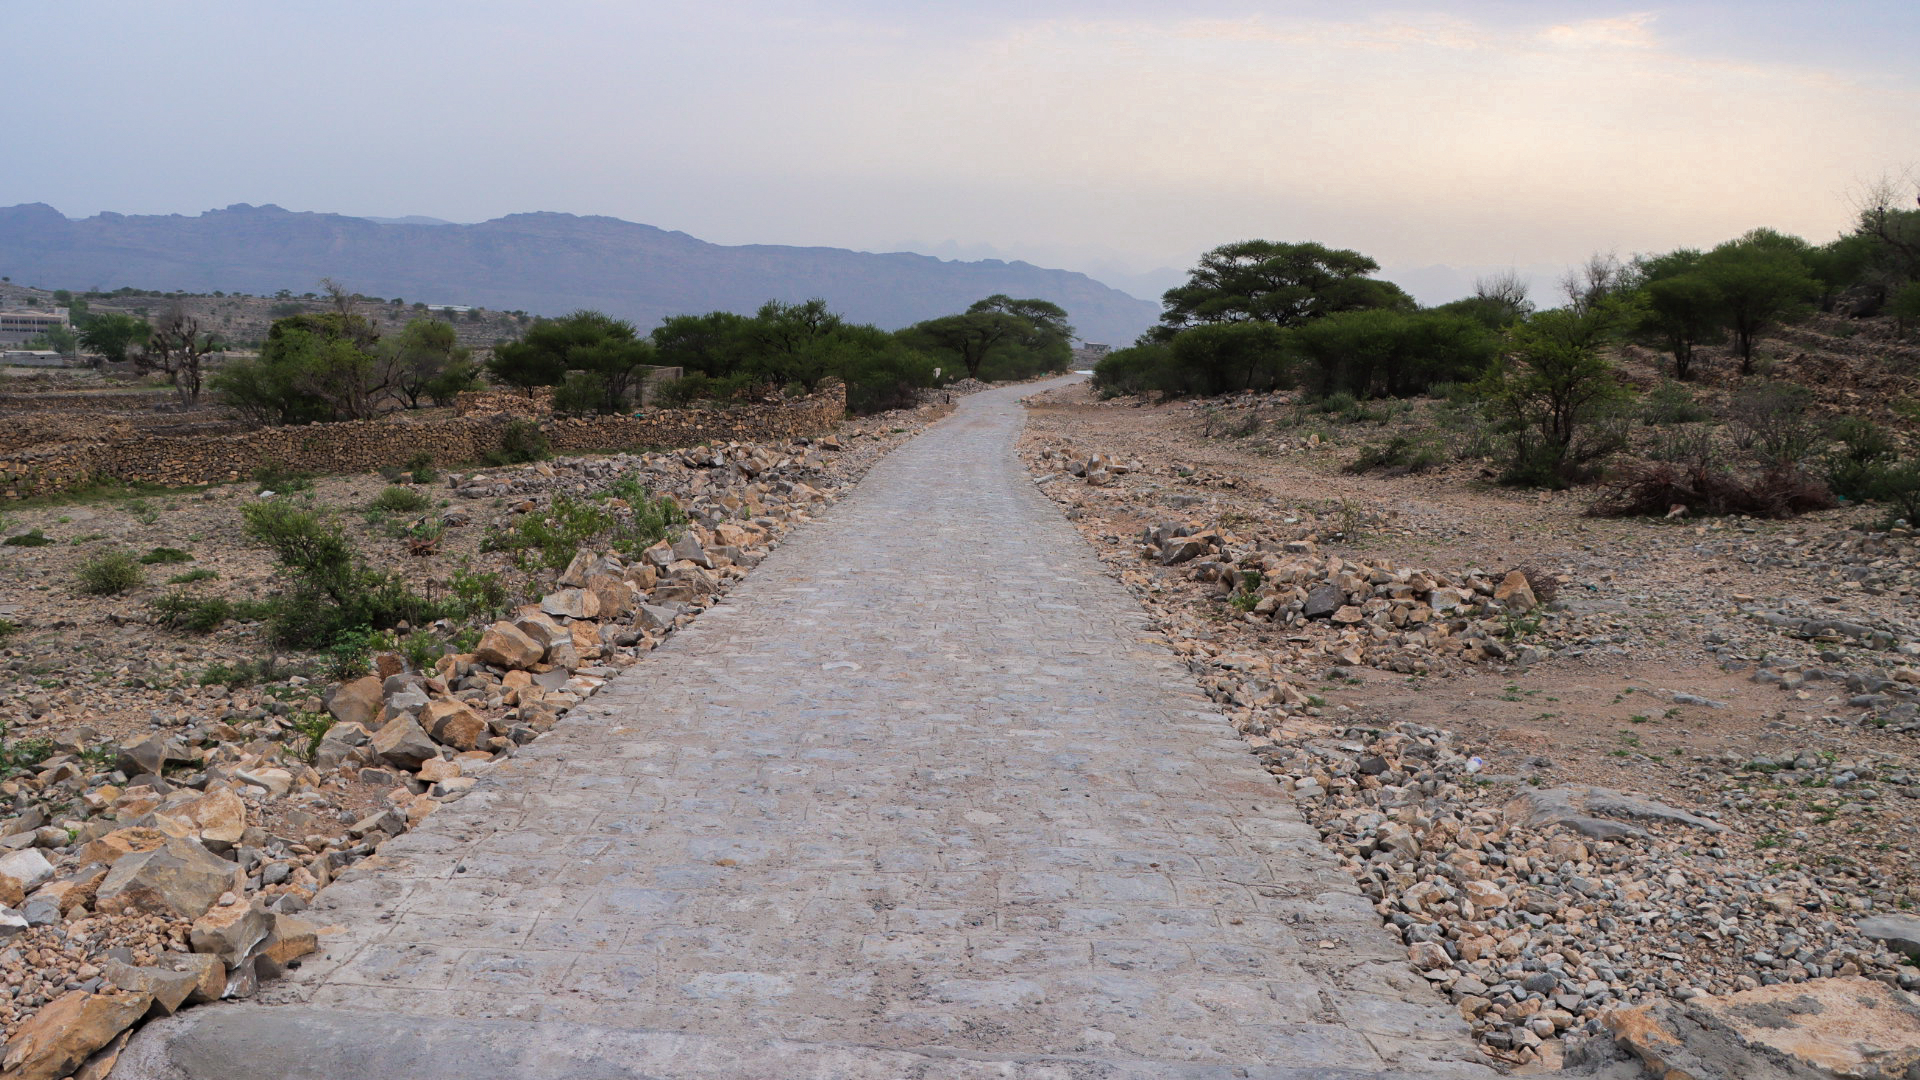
x=177, y=348
x=971, y=337
x=1761, y=281
x=1552, y=391
x=426, y=359
x=1683, y=313
x=1046, y=342
x=114, y=335
x=595, y=359
x=1284, y=284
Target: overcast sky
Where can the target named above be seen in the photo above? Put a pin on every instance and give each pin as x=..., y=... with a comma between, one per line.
x=1113, y=137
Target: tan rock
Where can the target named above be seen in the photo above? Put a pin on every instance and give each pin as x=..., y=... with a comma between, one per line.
x=451, y=723
x=541, y=627
x=100, y=1065
x=291, y=938
x=357, y=702
x=1516, y=593
x=1486, y=895
x=506, y=645
x=180, y=878
x=217, y=818
x=228, y=934
x=438, y=769
x=59, y=1038
x=209, y=974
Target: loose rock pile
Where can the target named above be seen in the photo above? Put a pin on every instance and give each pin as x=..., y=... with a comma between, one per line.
x=1537, y=911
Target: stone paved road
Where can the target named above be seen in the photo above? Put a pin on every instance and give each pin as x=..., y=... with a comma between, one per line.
x=921, y=797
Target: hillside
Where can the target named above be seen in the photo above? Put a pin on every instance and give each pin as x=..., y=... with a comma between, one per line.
x=543, y=263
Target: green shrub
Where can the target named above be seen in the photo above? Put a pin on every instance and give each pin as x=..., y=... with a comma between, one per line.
x=192, y=576
x=478, y=594
x=698, y=386
x=231, y=676
x=1899, y=487
x=421, y=467
x=350, y=654
x=1142, y=369
x=652, y=520
x=521, y=441
x=1671, y=403
x=550, y=537
x=422, y=650
x=165, y=555
x=311, y=727
x=203, y=614
x=332, y=594
x=273, y=476
x=30, y=538
x=1399, y=456
x=1861, y=455
x=18, y=755
x=8, y=628
x=401, y=500
x=110, y=573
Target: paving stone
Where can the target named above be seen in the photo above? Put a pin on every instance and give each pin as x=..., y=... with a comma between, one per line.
x=920, y=780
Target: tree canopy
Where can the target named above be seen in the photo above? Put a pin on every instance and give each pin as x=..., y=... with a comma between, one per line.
x=1280, y=283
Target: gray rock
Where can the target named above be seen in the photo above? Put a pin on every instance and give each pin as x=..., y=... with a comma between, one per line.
x=1898, y=932
x=1324, y=600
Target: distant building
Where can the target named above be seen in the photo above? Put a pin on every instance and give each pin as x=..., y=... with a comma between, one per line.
x=18, y=327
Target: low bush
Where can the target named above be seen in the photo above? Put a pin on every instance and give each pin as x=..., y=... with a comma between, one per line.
x=1399, y=456
x=30, y=538
x=109, y=573
x=420, y=467
x=401, y=500
x=332, y=594
x=192, y=576
x=521, y=441
x=162, y=555
x=1671, y=403
x=204, y=614
x=548, y=538
x=273, y=476
x=1861, y=454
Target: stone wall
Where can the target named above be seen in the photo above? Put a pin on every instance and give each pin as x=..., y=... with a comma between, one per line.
x=364, y=445
x=103, y=401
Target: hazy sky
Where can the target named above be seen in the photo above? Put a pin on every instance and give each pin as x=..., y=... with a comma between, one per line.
x=1113, y=137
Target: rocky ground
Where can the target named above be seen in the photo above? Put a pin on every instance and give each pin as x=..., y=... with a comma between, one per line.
x=173, y=800
x=1579, y=763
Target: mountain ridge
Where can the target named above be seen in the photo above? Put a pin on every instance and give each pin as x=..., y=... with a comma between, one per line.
x=545, y=262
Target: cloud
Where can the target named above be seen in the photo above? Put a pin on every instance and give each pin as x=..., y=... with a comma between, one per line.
x=1621, y=32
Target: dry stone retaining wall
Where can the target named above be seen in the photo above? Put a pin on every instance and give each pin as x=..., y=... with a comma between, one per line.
x=362, y=445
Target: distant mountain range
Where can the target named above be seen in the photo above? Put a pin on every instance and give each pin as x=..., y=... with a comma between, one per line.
x=544, y=263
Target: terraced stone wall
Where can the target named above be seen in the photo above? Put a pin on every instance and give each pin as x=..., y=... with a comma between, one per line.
x=364, y=445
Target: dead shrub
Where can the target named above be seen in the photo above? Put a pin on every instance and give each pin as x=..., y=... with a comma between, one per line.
x=1704, y=486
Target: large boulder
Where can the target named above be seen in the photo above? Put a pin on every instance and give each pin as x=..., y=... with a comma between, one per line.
x=506, y=645
x=170, y=988
x=572, y=604
x=404, y=742
x=180, y=878
x=228, y=934
x=451, y=723
x=1900, y=933
x=339, y=743
x=357, y=702
x=1844, y=1027
x=57, y=1039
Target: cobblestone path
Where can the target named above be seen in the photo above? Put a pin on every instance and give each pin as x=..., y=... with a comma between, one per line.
x=922, y=797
